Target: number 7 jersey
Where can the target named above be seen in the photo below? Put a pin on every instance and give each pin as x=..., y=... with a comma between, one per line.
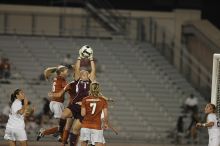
x=93, y=107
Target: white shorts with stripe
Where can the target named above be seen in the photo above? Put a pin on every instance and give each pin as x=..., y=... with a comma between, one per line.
x=92, y=135
x=56, y=108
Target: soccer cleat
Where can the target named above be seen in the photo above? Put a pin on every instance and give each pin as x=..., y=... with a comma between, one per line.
x=40, y=134
x=59, y=139
x=56, y=134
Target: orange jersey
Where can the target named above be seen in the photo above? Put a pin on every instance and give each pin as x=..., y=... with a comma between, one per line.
x=93, y=107
x=58, y=84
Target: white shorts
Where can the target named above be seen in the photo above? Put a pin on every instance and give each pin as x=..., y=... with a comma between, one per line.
x=15, y=134
x=214, y=141
x=103, y=141
x=92, y=135
x=56, y=108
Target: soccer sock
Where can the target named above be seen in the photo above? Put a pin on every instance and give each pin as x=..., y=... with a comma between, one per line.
x=77, y=140
x=62, y=124
x=73, y=139
x=50, y=131
x=65, y=136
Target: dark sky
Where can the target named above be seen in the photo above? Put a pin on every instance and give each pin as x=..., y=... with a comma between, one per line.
x=210, y=8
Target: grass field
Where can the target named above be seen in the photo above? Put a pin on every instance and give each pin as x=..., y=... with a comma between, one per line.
x=4, y=143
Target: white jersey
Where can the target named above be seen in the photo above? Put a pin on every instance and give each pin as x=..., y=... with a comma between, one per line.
x=214, y=131
x=16, y=120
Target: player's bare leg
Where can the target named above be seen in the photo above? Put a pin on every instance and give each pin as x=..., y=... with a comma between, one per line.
x=42, y=132
x=66, y=114
x=84, y=143
x=23, y=143
x=98, y=144
x=68, y=126
x=75, y=132
x=51, y=131
x=12, y=143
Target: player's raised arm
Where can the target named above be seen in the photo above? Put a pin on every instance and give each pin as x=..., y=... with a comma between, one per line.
x=92, y=75
x=49, y=71
x=77, y=69
x=24, y=107
x=77, y=65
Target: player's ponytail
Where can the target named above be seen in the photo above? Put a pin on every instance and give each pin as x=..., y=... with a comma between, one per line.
x=14, y=95
x=95, y=89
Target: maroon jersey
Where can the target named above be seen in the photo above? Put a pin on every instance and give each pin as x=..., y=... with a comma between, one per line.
x=78, y=90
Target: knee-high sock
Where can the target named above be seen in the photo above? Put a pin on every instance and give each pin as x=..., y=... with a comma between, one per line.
x=65, y=136
x=62, y=124
x=50, y=131
x=73, y=139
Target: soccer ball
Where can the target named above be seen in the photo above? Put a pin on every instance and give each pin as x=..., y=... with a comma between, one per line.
x=85, y=51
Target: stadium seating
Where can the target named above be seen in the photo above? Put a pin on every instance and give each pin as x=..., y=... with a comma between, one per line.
x=147, y=90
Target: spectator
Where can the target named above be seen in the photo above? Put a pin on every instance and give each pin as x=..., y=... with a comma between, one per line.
x=45, y=113
x=99, y=67
x=192, y=130
x=191, y=104
x=5, y=68
x=67, y=61
x=1, y=53
x=6, y=110
x=1, y=68
x=31, y=125
x=41, y=77
x=46, y=107
x=180, y=128
x=4, y=114
x=180, y=124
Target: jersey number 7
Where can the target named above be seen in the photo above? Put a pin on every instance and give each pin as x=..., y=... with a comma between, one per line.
x=93, y=105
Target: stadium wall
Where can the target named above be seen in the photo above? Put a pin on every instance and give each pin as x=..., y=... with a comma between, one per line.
x=48, y=19
x=54, y=21
x=201, y=40
x=203, y=53
x=59, y=21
